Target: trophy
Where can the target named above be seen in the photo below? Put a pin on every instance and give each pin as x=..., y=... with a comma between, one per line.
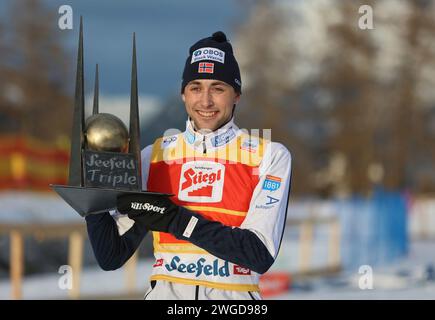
x=105, y=156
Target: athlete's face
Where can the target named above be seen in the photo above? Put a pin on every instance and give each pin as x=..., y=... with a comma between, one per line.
x=209, y=103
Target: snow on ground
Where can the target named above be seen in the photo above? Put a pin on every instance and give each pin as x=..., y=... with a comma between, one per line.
x=412, y=277
x=40, y=207
x=94, y=283
x=409, y=278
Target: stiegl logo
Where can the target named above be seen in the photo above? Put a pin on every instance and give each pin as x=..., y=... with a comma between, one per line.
x=201, y=181
x=147, y=206
x=197, y=177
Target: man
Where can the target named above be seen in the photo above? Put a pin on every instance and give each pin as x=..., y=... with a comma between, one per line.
x=223, y=225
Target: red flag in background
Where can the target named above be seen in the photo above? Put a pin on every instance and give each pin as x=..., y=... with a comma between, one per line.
x=29, y=164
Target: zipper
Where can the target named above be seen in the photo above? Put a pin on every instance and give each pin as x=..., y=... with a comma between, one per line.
x=204, y=148
x=252, y=296
x=152, y=285
x=196, y=292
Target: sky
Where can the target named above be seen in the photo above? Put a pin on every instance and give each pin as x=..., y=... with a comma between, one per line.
x=165, y=29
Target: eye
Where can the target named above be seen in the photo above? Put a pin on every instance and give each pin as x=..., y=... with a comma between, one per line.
x=195, y=89
x=219, y=89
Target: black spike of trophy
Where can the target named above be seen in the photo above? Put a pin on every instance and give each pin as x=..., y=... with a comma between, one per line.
x=105, y=156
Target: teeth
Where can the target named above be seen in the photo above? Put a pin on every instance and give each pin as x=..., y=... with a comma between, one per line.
x=207, y=114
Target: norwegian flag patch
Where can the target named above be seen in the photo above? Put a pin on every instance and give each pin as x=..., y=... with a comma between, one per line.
x=206, y=67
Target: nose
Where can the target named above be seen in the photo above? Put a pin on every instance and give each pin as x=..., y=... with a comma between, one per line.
x=206, y=99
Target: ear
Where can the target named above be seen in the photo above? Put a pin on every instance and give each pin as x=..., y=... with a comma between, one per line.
x=237, y=98
x=183, y=97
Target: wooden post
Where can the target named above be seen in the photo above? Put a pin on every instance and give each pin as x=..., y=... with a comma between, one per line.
x=130, y=273
x=75, y=261
x=334, y=244
x=305, y=245
x=17, y=261
x=423, y=219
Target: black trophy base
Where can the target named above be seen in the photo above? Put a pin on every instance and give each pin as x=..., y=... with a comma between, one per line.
x=89, y=200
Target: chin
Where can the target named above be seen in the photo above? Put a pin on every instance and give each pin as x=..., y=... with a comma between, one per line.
x=211, y=128
x=201, y=125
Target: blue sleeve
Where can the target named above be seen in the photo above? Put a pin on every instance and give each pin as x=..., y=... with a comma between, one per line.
x=236, y=245
x=110, y=249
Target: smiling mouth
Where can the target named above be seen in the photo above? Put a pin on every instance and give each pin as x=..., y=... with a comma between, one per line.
x=207, y=114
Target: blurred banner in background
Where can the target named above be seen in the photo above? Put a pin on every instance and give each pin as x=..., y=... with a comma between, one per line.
x=374, y=229
x=29, y=164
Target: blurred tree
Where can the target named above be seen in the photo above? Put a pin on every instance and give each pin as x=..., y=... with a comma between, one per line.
x=8, y=116
x=383, y=114
x=268, y=90
x=410, y=158
x=35, y=76
x=355, y=107
x=347, y=75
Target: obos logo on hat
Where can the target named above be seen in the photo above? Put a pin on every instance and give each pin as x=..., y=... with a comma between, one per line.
x=208, y=54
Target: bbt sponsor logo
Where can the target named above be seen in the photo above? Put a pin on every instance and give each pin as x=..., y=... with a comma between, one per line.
x=199, y=267
x=201, y=181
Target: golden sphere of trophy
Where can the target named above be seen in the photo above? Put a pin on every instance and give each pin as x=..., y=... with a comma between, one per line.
x=106, y=132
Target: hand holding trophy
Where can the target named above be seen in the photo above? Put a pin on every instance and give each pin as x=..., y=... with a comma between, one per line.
x=105, y=156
